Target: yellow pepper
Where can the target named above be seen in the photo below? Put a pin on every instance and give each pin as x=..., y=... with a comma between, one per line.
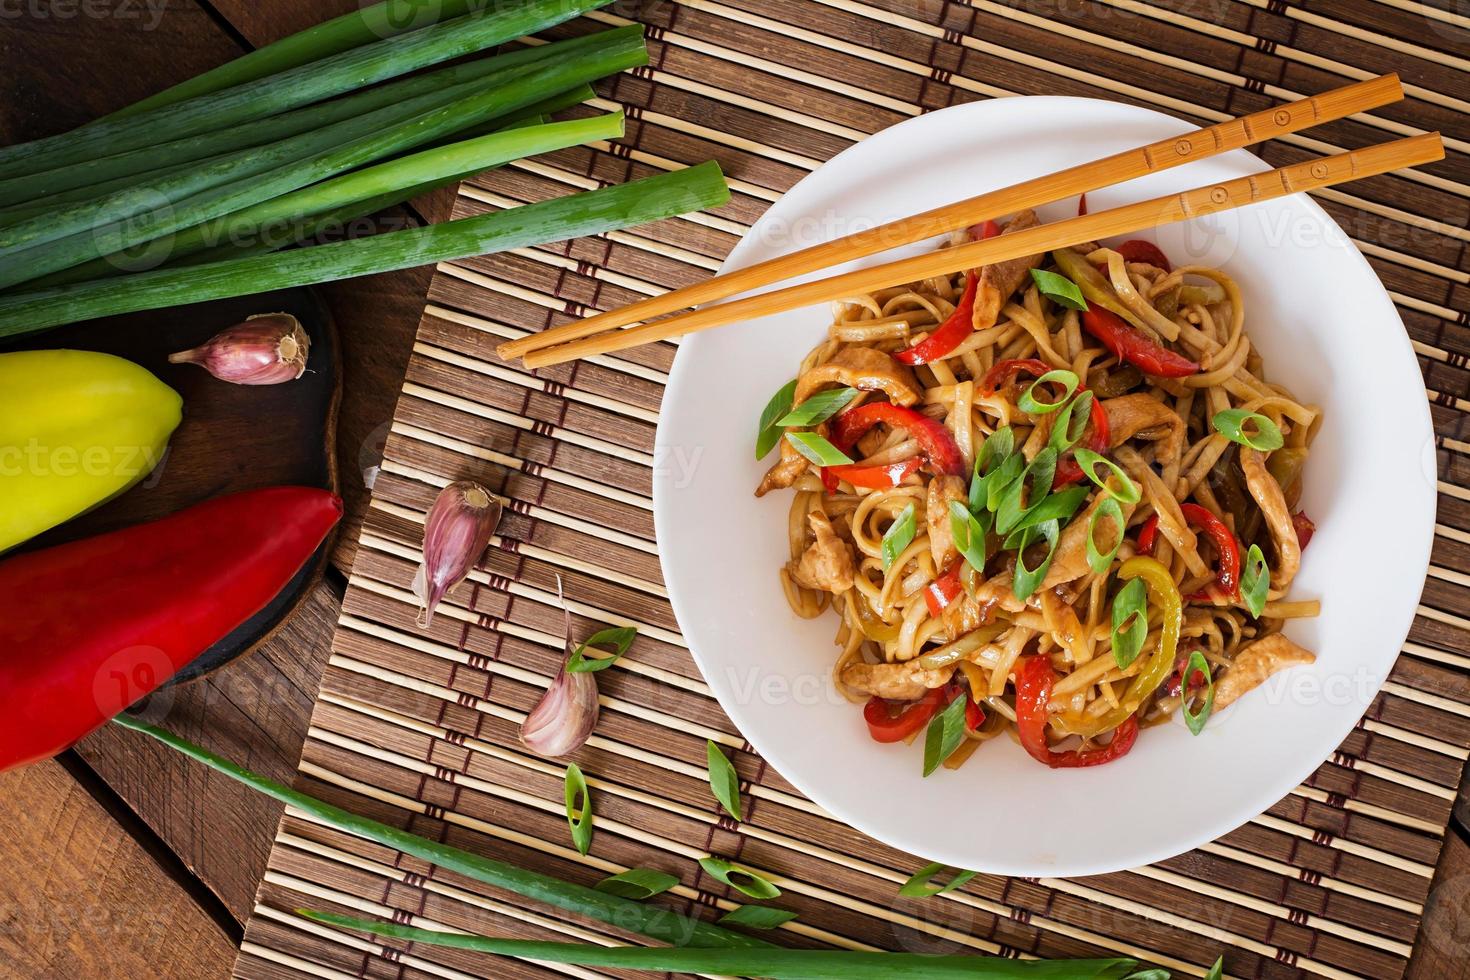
x=76, y=429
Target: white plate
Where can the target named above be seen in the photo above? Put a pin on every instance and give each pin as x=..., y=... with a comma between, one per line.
x=1325, y=327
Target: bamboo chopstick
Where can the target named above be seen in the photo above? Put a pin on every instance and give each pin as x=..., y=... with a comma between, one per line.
x=1153, y=158
x=1267, y=186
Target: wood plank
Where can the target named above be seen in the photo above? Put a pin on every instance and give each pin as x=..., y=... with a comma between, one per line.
x=1442, y=951
x=80, y=898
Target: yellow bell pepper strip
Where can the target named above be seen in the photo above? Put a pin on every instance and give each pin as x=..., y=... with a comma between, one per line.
x=77, y=428
x=1163, y=595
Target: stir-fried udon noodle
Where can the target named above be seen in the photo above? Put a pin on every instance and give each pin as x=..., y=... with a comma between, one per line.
x=1055, y=497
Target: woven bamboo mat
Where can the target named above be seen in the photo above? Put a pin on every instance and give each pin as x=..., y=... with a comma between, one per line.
x=418, y=728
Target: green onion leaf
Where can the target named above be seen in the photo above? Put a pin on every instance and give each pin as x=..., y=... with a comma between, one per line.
x=900, y=535
x=820, y=407
x=1038, y=477
x=1218, y=970
x=1030, y=404
x=994, y=452
x=1255, y=580
x=1001, y=478
x=756, y=917
x=1021, y=538
x=579, y=808
x=1128, y=493
x=723, y=781
x=1196, y=719
x=1059, y=289
x=743, y=880
x=1098, y=560
x=922, y=884
x=1071, y=423
x=817, y=449
x=1154, y=974
x=620, y=638
x=1027, y=580
x=637, y=884
x=1130, y=622
x=1265, y=437
x=1059, y=506
x=945, y=733
x=768, y=432
x=969, y=534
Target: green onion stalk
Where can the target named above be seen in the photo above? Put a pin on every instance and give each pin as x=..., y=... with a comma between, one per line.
x=351, y=30
x=587, y=213
x=89, y=174
x=369, y=186
x=33, y=249
x=344, y=72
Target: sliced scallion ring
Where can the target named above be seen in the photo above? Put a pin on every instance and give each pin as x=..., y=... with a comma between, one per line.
x=1265, y=436
x=1255, y=580
x=1070, y=424
x=637, y=884
x=1028, y=580
x=1130, y=622
x=579, y=808
x=1001, y=478
x=768, y=430
x=1038, y=476
x=1127, y=493
x=1059, y=289
x=819, y=407
x=817, y=449
x=1031, y=405
x=922, y=884
x=900, y=535
x=969, y=534
x=1196, y=719
x=1097, y=559
x=743, y=880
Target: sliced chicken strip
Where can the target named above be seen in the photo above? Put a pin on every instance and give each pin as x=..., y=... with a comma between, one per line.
x=788, y=470
x=827, y=564
x=943, y=490
x=999, y=281
x=1272, y=501
x=897, y=682
x=1256, y=662
x=1070, y=561
x=1143, y=416
x=863, y=368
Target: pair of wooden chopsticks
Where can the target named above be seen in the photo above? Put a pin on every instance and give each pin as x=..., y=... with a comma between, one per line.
x=604, y=333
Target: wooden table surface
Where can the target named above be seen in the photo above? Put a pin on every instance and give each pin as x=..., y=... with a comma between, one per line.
x=121, y=859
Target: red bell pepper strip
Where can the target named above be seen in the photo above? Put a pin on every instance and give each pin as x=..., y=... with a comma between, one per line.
x=1034, y=678
x=1098, y=438
x=88, y=628
x=1138, y=250
x=881, y=477
x=1171, y=687
x=934, y=439
x=1304, y=528
x=1227, y=577
x=985, y=229
x=1129, y=345
x=974, y=714
x=1005, y=373
x=948, y=335
x=939, y=593
x=890, y=721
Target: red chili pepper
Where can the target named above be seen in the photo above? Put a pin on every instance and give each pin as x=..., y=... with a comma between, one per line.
x=882, y=477
x=939, y=593
x=1227, y=577
x=1304, y=528
x=933, y=438
x=985, y=229
x=1034, y=678
x=894, y=721
x=88, y=628
x=974, y=714
x=1005, y=372
x=948, y=335
x=1098, y=438
x=1138, y=250
x=1129, y=345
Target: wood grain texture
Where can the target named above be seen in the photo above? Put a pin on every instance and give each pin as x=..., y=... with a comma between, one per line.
x=78, y=899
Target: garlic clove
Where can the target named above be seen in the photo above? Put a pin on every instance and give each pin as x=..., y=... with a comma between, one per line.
x=456, y=533
x=266, y=349
x=566, y=715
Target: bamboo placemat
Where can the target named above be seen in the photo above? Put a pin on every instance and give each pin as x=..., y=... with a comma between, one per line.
x=418, y=728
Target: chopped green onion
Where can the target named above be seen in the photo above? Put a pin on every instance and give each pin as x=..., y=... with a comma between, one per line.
x=945, y=733
x=756, y=917
x=743, y=880
x=587, y=213
x=1031, y=405
x=1071, y=423
x=637, y=884
x=1001, y=479
x=969, y=534
x=620, y=638
x=579, y=808
x=764, y=961
x=659, y=923
x=1152, y=974
x=1059, y=506
x=1038, y=476
x=817, y=449
x=1059, y=289
x=1255, y=581
x=768, y=431
x=922, y=884
x=1127, y=494
x=1097, y=559
x=1028, y=580
x=1231, y=424
x=819, y=407
x=900, y=535
x=1130, y=622
x=1021, y=538
x=1218, y=970
x=723, y=780
x=1196, y=719
x=995, y=452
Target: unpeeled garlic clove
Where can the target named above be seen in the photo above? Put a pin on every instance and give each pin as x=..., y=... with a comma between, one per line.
x=266, y=349
x=564, y=718
x=456, y=533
